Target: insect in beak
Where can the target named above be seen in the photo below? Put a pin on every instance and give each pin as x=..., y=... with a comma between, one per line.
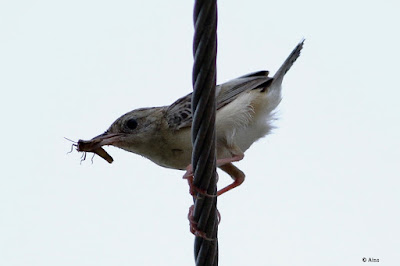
x=95, y=145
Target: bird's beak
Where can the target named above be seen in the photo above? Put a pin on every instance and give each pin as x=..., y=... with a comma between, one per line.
x=95, y=144
x=105, y=139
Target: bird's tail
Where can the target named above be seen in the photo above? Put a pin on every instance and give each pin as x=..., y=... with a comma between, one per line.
x=278, y=77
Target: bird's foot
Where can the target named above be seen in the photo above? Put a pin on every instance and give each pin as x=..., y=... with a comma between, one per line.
x=192, y=188
x=193, y=225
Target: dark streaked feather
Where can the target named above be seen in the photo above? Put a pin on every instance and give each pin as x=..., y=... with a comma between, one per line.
x=179, y=114
x=278, y=77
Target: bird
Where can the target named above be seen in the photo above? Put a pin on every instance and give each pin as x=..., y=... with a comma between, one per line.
x=245, y=111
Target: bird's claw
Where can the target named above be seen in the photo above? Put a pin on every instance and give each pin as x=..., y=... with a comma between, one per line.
x=193, y=225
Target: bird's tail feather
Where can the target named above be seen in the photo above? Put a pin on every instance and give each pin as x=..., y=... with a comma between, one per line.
x=278, y=77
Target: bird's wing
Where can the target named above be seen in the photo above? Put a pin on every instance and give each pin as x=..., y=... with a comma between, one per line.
x=179, y=114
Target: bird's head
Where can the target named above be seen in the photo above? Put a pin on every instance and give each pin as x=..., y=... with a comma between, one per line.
x=133, y=131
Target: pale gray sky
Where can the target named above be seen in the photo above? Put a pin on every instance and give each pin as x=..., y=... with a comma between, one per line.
x=322, y=190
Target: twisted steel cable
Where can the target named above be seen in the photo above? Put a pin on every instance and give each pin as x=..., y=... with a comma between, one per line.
x=203, y=131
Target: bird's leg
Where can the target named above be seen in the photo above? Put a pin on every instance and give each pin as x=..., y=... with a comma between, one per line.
x=192, y=188
x=226, y=165
x=235, y=158
x=189, y=176
x=193, y=225
x=236, y=174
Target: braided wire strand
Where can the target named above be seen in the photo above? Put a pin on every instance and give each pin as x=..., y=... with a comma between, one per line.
x=203, y=130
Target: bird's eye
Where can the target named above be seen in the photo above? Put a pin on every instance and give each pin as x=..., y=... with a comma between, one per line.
x=131, y=124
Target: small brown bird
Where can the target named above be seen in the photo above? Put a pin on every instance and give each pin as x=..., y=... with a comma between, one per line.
x=245, y=111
